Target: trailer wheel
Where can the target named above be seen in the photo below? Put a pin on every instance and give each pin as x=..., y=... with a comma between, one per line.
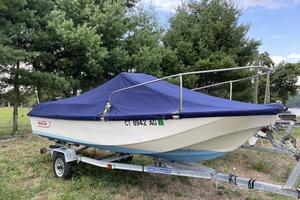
x=61, y=168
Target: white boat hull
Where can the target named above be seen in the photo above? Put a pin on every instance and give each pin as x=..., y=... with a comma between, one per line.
x=211, y=135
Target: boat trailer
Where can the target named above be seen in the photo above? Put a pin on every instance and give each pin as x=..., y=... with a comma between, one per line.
x=64, y=157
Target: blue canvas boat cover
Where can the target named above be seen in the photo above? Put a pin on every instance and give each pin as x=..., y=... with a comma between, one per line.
x=159, y=100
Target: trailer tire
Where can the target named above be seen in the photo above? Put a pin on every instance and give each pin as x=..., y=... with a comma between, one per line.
x=61, y=168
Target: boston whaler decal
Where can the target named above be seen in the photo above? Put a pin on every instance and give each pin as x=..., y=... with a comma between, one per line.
x=44, y=124
x=152, y=122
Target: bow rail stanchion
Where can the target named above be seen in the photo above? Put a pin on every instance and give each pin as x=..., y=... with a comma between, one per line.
x=256, y=81
x=230, y=90
x=267, y=91
x=181, y=93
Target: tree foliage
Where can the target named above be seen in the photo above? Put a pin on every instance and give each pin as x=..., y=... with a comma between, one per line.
x=89, y=42
x=70, y=46
x=283, y=81
x=21, y=35
x=207, y=35
x=294, y=101
x=284, y=77
x=14, y=35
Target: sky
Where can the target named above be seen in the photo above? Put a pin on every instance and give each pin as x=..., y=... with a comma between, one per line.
x=276, y=23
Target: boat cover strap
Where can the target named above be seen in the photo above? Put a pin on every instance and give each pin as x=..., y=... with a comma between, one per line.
x=251, y=184
x=232, y=179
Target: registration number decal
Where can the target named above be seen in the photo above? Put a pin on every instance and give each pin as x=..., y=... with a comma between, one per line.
x=152, y=122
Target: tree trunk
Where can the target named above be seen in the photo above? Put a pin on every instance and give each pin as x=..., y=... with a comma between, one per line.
x=74, y=92
x=16, y=99
x=15, y=119
x=39, y=94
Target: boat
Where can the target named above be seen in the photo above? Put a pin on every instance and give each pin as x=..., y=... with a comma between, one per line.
x=136, y=113
x=296, y=112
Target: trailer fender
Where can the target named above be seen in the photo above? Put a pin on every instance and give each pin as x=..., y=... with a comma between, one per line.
x=70, y=154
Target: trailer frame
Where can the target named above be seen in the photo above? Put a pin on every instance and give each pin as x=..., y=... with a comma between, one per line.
x=161, y=166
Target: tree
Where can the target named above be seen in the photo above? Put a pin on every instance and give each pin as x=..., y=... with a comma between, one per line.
x=18, y=28
x=283, y=81
x=207, y=35
x=294, y=101
x=81, y=44
x=143, y=43
x=80, y=54
x=13, y=34
x=284, y=77
x=98, y=40
x=44, y=76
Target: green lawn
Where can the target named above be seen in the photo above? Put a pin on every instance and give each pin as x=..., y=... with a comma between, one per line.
x=26, y=174
x=6, y=121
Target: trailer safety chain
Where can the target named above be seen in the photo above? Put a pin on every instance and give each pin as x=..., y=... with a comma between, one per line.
x=251, y=184
x=232, y=179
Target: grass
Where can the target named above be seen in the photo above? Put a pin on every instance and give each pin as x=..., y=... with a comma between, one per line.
x=263, y=165
x=6, y=121
x=32, y=178
x=26, y=174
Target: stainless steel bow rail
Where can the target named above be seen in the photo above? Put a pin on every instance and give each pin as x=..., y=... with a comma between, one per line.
x=231, y=84
x=181, y=75
x=64, y=157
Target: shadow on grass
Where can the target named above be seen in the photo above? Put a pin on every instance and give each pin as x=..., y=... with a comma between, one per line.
x=119, y=178
x=6, y=132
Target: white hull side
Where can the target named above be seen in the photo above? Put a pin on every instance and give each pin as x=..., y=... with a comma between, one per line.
x=213, y=133
x=225, y=143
